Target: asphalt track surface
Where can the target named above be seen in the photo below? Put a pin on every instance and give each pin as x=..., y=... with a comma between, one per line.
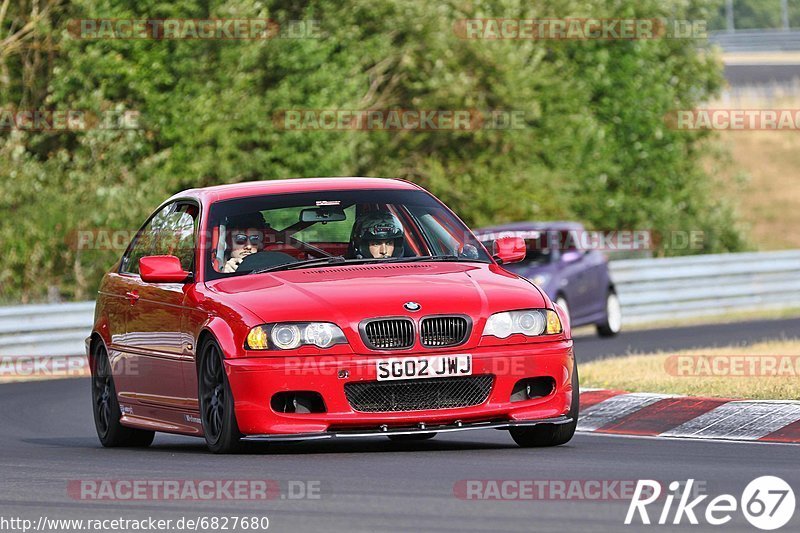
x=48, y=439
x=590, y=347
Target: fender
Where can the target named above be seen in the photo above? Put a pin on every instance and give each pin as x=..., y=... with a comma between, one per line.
x=565, y=325
x=223, y=334
x=100, y=329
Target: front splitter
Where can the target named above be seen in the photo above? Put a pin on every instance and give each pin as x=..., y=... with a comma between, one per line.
x=383, y=431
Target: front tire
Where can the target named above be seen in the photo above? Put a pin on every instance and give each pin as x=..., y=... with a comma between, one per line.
x=216, y=402
x=107, y=414
x=552, y=434
x=612, y=324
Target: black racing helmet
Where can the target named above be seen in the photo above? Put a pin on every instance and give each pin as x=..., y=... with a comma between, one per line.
x=377, y=226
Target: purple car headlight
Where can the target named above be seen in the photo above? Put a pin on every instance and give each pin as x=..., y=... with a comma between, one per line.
x=541, y=279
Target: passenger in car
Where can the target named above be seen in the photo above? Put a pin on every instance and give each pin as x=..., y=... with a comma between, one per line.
x=244, y=236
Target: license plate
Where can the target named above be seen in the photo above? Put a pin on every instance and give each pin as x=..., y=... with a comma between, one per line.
x=436, y=366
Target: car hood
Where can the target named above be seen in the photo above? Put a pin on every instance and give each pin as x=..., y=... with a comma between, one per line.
x=351, y=293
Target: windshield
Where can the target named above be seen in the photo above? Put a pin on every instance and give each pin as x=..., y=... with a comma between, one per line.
x=328, y=228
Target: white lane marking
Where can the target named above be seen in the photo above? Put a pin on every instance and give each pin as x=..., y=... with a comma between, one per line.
x=615, y=408
x=744, y=420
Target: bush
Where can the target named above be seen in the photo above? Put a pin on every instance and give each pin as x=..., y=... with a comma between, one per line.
x=594, y=147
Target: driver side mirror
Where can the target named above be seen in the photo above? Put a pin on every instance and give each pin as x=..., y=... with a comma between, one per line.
x=162, y=269
x=509, y=250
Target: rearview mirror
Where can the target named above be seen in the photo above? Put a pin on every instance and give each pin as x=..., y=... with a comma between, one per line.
x=162, y=269
x=509, y=250
x=322, y=214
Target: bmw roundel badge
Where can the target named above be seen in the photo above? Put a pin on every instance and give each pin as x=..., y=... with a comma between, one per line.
x=412, y=306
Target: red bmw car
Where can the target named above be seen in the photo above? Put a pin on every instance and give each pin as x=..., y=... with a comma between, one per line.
x=324, y=308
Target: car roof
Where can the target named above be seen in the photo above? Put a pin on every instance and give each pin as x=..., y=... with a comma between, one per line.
x=556, y=225
x=283, y=186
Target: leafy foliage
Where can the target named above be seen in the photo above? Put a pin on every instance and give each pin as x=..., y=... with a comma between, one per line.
x=594, y=145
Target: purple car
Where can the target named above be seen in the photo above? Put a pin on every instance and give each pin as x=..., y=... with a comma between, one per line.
x=574, y=277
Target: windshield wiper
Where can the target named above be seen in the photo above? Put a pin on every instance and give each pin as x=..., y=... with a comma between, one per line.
x=427, y=258
x=340, y=260
x=319, y=261
x=445, y=257
x=300, y=264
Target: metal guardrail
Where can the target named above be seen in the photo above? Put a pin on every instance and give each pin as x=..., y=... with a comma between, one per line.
x=704, y=285
x=649, y=290
x=47, y=329
x=757, y=40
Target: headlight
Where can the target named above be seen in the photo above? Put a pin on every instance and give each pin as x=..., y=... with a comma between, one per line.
x=285, y=336
x=288, y=336
x=540, y=279
x=529, y=322
x=553, y=323
x=322, y=334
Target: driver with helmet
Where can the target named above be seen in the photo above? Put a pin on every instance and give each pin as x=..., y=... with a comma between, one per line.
x=377, y=234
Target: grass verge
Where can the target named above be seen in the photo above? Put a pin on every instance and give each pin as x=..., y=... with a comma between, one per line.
x=759, y=169
x=763, y=371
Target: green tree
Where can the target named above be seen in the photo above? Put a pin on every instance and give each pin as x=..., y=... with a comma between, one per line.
x=594, y=145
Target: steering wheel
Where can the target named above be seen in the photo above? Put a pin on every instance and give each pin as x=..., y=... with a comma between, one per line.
x=261, y=260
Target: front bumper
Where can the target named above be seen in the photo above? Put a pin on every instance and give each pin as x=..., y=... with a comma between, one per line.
x=254, y=380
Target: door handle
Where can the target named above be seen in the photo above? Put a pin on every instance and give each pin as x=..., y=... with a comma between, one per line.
x=133, y=296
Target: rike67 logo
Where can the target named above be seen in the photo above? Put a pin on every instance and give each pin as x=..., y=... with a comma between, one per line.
x=767, y=502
